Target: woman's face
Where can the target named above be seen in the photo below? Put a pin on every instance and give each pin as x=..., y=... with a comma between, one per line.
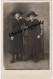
x=31, y=17
x=17, y=15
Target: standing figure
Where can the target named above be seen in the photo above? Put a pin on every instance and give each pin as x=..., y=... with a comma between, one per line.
x=34, y=36
x=16, y=46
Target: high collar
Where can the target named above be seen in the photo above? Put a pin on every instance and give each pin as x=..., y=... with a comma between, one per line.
x=19, y=18
x=32, y=20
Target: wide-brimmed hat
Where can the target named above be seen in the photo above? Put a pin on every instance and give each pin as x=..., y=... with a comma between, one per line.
x=31, y=13
x=16, y=11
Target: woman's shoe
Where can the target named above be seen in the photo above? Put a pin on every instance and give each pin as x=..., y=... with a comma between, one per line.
x=35, y=61
x=12, y=61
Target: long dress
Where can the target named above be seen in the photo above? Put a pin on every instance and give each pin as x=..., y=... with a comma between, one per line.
x=34, y=43
x=16, y=45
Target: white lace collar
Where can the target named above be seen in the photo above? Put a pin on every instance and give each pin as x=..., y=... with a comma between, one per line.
x=20, y=18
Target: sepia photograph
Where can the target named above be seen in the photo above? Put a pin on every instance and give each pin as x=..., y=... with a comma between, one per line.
x=26, y=35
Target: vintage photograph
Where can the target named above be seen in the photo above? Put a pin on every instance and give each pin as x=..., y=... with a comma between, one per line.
x=26, y=35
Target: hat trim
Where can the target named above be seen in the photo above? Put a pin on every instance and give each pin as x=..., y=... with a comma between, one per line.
x=13, y=13
x=31, y=14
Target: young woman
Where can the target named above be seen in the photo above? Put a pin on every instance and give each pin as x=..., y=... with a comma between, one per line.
x=16, y=36
x=34, y=36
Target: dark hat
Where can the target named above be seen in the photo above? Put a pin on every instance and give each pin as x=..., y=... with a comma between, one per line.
x=31, y=13
x=16, y=11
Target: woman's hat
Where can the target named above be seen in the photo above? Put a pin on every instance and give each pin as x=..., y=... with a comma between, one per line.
x=31, y=13
x=16, y=11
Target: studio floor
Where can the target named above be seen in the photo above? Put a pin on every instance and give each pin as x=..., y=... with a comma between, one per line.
x=26, y=65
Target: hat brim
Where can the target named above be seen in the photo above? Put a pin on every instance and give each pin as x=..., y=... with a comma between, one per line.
x=35, y=15
x=13, y=13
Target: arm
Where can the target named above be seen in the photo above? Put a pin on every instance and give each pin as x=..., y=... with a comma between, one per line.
x=11, y=34
x=38, y=30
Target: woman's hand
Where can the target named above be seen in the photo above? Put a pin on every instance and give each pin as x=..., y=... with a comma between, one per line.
x=38, y=36
x=12, y=38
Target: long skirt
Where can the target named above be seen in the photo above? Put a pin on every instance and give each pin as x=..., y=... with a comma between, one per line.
x=16, y=45
x=34, y=45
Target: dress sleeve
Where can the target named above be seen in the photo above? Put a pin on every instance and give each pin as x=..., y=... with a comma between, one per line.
x=11, y=28
x=38, y=27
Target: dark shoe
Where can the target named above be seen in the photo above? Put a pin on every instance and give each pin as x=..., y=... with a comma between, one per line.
x=35, y=61
x=12, y=61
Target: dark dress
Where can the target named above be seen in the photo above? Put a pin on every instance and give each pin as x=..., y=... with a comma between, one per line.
x=16, y=45
x=34, y=43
